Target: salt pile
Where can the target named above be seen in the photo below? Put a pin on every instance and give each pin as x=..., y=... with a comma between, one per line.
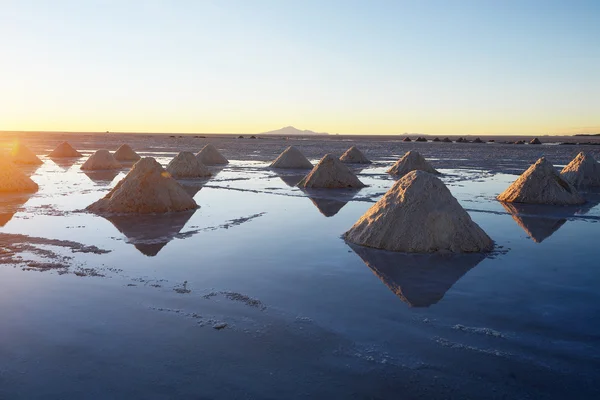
x=146, y=189
x=582, y=171
x=354, y=156
x=419, y=215
x=291, y=158
x=406, y=139
x=20, y=154
x=535, y=141
x=330, y=173
x=538, y=224
x=13, y=180
x=209, y=155
x=64, y=150
x=125, y=153
x=186, y=165
x=541, y=184
x=410, y=162
x=101, y=160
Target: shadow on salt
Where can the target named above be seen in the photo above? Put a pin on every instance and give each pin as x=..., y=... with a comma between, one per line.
x=150, y=233
x=419, y=280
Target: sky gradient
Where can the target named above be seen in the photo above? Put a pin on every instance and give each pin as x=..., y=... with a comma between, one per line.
x=381, y=67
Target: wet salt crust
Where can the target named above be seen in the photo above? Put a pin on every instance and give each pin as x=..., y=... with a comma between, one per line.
x=256, y=295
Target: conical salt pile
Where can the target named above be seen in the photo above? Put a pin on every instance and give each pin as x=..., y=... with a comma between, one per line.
x=582, y=171
x=101, y=160
x=291, y=158
x=125, y=153
x=13, y=180
x=354, y=156
x=419, y=215
x=209, y=155
x=541, y=184
x=20, y=154
x=330, y=173
x=146, y=189
x=410, y=162
x=186, y=165
x=64, y=150
x=535, y=141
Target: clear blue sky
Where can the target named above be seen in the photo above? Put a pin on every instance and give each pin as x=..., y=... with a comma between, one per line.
x=469, y=66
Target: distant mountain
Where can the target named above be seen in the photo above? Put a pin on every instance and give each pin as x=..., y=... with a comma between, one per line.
x=291, y=131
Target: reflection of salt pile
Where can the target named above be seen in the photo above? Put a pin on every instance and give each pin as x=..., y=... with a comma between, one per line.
x=209, y=155
x=9, y=205
x=101, y=160
x=582, y=171
x=103, y=177
x=64, y=150
x=186, y=165
x=328, y=207
x=150, y=233
x=291, y=158
x=538, y=223
x=126, y=154
x=330, y=173
x=20, y=154
x=411, y=161
x=541, y=184
x=13, y=180
x=146, y=189
x=354, y=156
x=419, y=215
x=420, y=280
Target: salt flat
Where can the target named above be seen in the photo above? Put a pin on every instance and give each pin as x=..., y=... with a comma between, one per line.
x=256, y=295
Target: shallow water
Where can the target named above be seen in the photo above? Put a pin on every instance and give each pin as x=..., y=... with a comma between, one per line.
x=302, y=313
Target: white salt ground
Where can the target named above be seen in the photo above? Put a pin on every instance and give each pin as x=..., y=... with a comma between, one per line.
x=419, y=215
x=146, y=189
x=541, y=184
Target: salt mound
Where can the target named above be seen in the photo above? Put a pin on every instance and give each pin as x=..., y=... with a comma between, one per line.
x=146, y=189
x=126, y=153
x=64, y=150
x=209, y=155
x=410, y=162
x=406, y=139
x=354, y=156
x=20, y=154
x=419, y=215
x=13, y=180
x=535, y=141
x=446, y=140
x=186, y=165
x=541, y=184
x=100, y=160
x=330, y=173
x=291, y=158
x=582, y=171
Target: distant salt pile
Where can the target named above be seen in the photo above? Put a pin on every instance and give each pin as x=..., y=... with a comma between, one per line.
x=186, y=165
x=64, y=150
x=411, y=161
x=541, y=184
x=101, y=160
x=519, y=142
x=582, y=171
x=354, y=156
x=209, y=155
x=477, y=140
x=436, y=140
x=406, y=139
x=446, y=140
x=126, y=154
x=535, y=141
x=146, y=189
x=13, y=180
x=291, y=158
x=20, y=154
x=330, y=173
x=419, y=215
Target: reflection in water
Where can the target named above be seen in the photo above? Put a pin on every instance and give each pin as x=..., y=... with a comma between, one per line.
x=537, y=221
x=191, y=189
x=291, y=180
x=64, y=163
x=420, y=280
x=150, y=233
x=328, y=207
x=103, y=177
x=10, y=205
